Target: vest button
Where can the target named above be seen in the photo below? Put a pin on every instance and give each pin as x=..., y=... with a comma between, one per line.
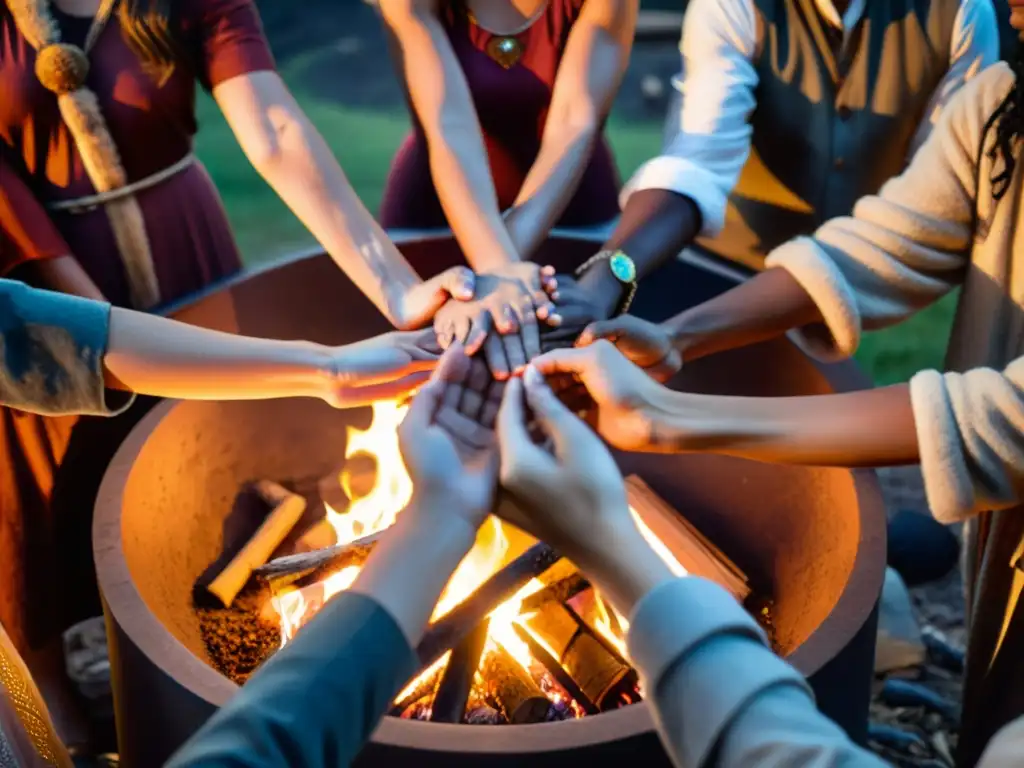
x=844, y=112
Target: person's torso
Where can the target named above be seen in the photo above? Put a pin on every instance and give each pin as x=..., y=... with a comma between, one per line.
x=833, y=120
x=152, y=124
x=512, y=107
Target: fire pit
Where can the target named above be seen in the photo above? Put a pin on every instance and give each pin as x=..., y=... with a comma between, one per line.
x=810, y=539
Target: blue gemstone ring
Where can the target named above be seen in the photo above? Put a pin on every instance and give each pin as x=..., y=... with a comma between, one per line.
x=622, y=267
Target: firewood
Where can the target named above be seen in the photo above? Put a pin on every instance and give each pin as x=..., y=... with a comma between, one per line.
x=424, y=688
x=556, y=592
x=691, y=548
x=457, y=679
x=597, y=669
x=512, y=689
x=550, y=663
x=451, y=628
x=327, y=559
x=285, y=510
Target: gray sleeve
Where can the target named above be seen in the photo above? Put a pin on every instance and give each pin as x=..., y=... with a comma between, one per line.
x=719, y=694
x=51, y=352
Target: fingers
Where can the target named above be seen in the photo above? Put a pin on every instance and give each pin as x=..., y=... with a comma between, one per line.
x=517, y=450
x=515, y=352
x=576, y=362
x=461, y=329
x=453, y=367
x=474, y=392
x=556, y=420
x=602, y=329
x=457, y=282
x=422, y=411
x=478, y=331
x=529, y=330
x=494, y=352
x=357, y=397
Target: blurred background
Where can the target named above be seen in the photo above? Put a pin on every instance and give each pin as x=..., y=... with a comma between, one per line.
x=333, y=56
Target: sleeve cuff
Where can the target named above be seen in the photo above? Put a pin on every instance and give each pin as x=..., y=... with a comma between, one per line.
x=55, y=344
x=684, y=177
x=659, y=633
x=816, y=273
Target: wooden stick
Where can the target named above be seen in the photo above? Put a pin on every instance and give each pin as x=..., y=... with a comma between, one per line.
x=422, y=689
x=690, y=547
x=329, y=557
x=556, y=670
x=451, y=628
x=457, y=681
x=286, y=509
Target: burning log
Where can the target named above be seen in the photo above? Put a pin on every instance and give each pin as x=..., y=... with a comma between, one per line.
x=512, y=689
x=599, y=672
x=451, y=628
x=689, y=546
x=457, y=680
x=285, y=510
x=318, y=564
x=423, y=689
x=550, y=663
x=559, y=591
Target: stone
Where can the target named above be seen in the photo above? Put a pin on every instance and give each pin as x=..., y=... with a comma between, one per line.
x=898, y=642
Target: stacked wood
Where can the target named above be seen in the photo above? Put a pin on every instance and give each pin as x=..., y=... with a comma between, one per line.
x=450, y=629
x=599, y=672
x=518, y=698
x=423, y=689
x=550, y=663
x=691, y=548
x=310, y=567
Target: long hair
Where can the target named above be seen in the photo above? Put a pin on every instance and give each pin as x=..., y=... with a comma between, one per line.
x=148, y=29
x=1009, y=125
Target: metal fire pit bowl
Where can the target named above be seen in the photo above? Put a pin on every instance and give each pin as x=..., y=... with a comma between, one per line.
x=811, y=539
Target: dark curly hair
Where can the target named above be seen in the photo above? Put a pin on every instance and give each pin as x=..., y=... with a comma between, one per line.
x=1008, y=120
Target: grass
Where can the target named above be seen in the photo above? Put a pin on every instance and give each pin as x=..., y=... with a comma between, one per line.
x=364, y=143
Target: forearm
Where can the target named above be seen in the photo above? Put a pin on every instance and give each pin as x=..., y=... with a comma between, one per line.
x=62, y=274
x=549, y=186
x=655, y=226
x=462, y=173
x=411, y=566
x=764, y=307
x=857, y=429
x=153, y=355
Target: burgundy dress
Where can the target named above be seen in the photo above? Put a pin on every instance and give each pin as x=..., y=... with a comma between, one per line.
x=512, y=107
x=191, y=243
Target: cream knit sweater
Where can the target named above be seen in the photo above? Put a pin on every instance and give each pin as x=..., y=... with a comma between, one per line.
x=907, y=247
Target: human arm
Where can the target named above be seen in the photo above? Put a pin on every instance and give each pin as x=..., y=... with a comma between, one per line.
x=900, y=251
x=974, y=46
x=683, y=192
x=594, y=60
x=718, y=693
x=290, y=154
x=318, y=699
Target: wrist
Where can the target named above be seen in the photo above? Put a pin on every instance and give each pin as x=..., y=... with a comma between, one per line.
x=603, y=287
x=433, y=513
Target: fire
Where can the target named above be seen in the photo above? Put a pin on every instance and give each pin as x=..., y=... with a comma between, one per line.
x=378, y=509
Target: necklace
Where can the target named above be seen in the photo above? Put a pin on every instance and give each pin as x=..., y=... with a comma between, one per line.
x=506, y=49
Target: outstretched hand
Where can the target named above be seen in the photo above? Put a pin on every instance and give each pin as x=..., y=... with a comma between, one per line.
x=502, y=319
x=451, y=459
x=571, y=495
x=620, y=400
x=385, y=367
x=643, y=343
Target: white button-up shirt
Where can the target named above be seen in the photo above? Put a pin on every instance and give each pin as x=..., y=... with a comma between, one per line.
x=708, y=131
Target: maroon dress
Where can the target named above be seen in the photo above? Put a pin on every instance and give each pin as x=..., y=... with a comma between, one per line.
x=190, y=240
x=512, y=107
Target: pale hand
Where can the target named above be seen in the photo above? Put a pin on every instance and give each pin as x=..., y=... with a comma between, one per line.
x=386, y=367
x=509, y=300
x=622, y=401
x=570, y=495
x=451, y=460
x=416, y=306
x=643, y=343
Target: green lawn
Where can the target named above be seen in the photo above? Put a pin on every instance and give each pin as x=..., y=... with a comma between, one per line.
x=364, y=143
